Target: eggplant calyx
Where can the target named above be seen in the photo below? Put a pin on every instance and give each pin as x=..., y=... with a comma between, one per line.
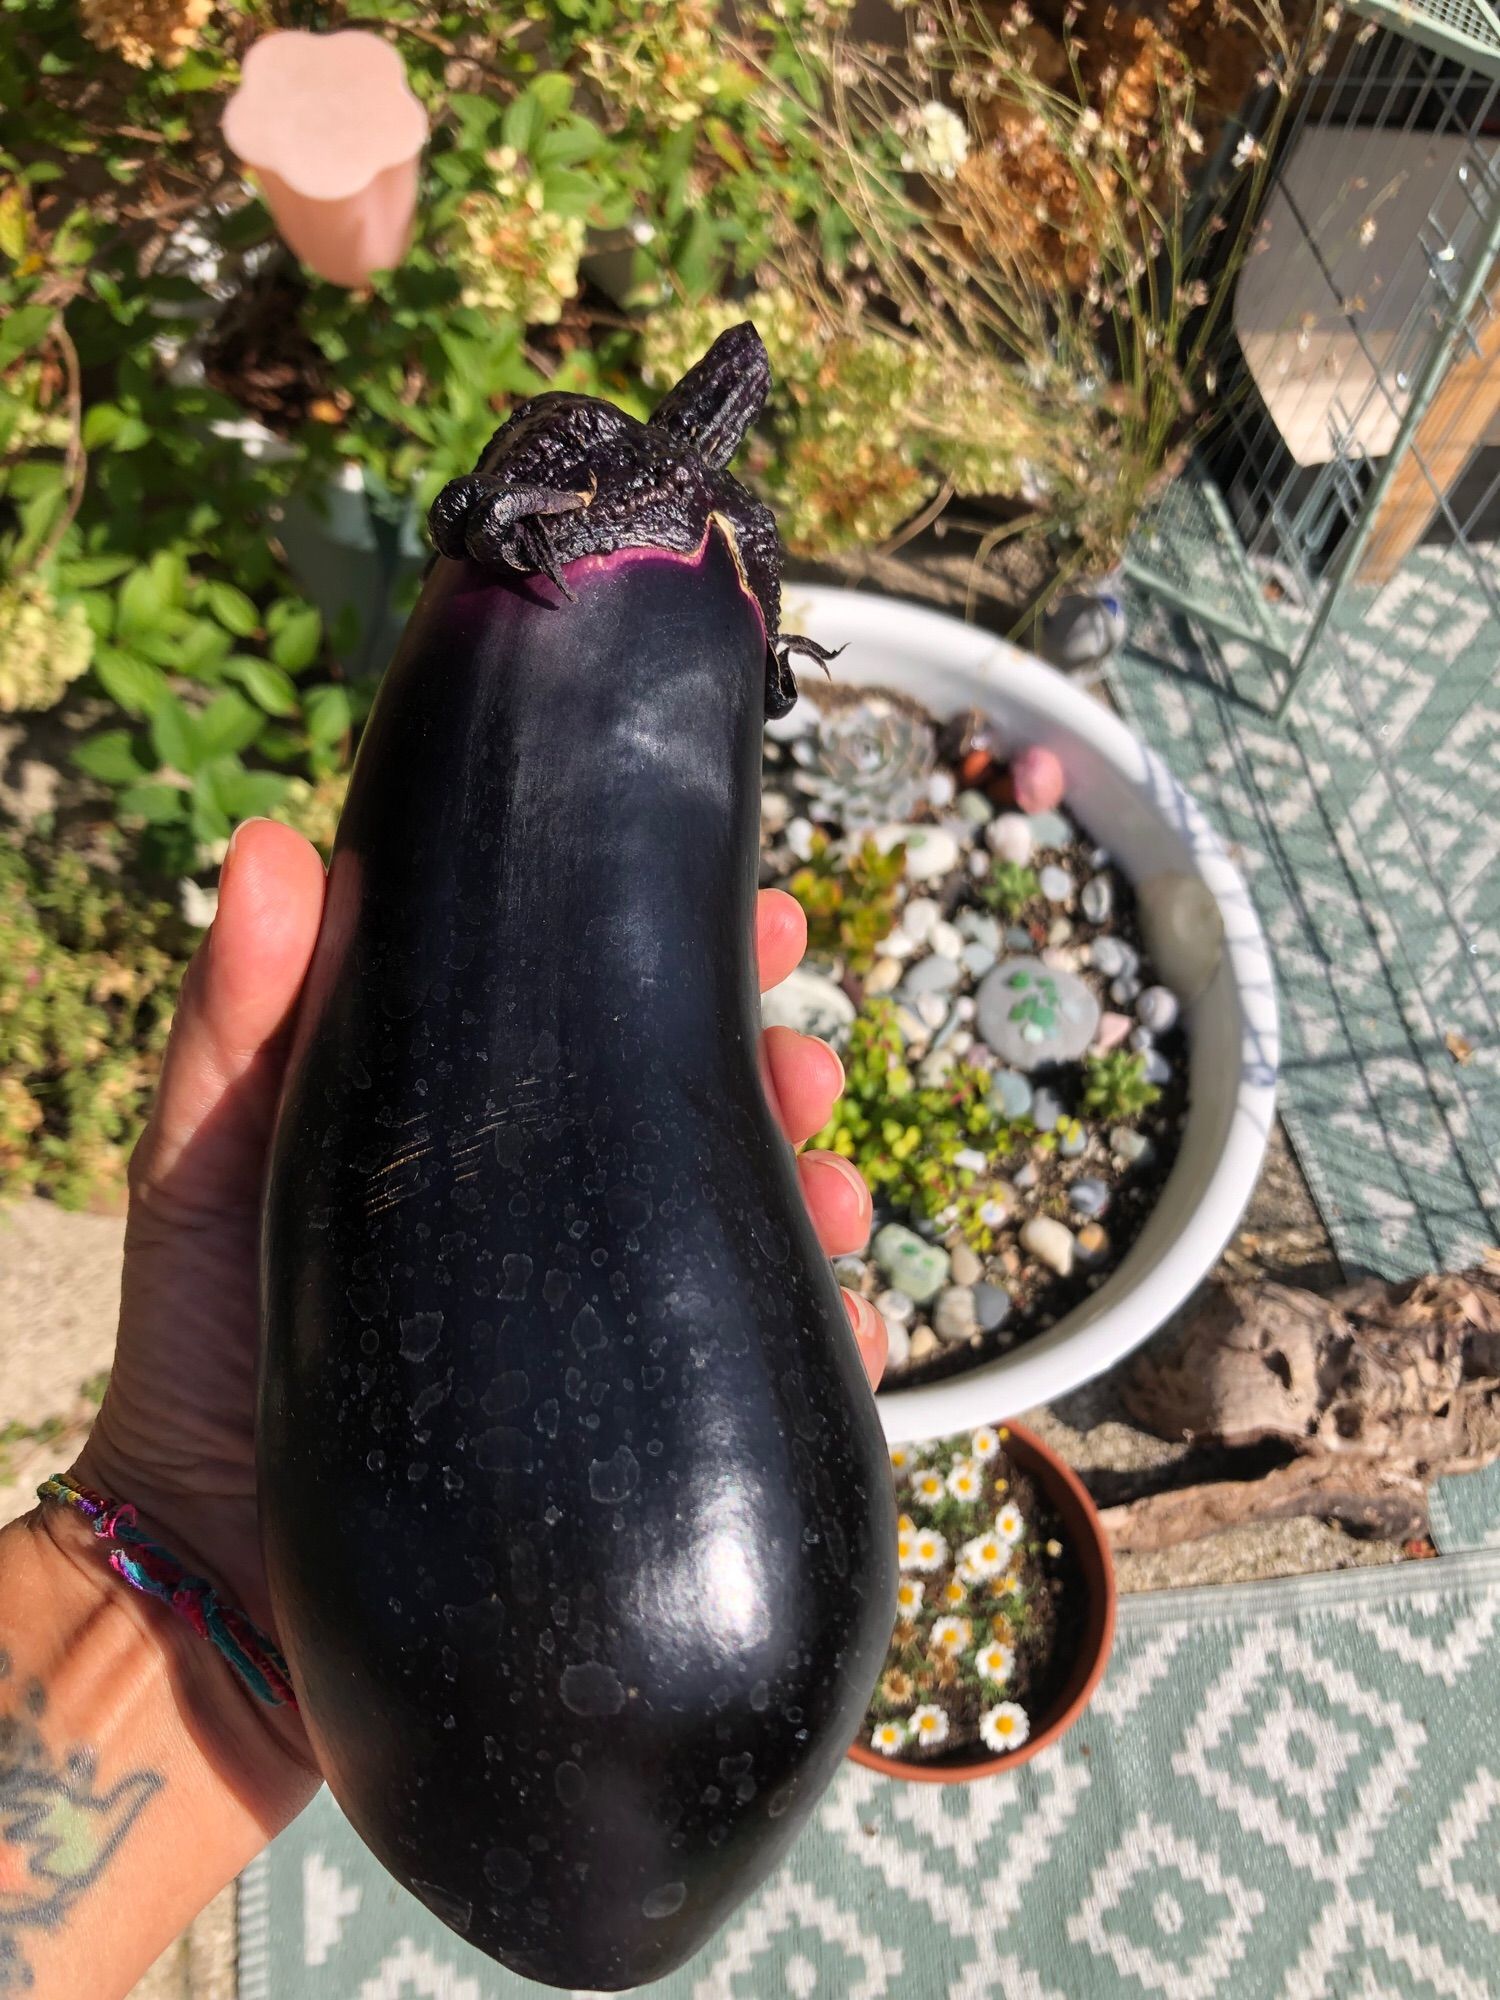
x=568, y=476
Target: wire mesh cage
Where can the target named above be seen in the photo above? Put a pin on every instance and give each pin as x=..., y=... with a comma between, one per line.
x=1329, y=568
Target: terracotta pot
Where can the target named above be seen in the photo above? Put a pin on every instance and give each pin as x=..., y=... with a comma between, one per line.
x=1080, y=1530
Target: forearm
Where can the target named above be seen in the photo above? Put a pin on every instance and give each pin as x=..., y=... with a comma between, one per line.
x=136, y=1776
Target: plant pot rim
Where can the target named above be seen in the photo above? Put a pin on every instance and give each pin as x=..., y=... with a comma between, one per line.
x=1122, y=793
x=1068, y=1495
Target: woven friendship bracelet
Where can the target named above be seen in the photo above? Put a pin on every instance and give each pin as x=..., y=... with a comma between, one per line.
x=149, y=1567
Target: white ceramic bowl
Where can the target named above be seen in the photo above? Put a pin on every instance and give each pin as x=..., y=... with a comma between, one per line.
x=1128, y=800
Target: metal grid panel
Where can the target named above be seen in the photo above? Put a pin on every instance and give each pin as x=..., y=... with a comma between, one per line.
x=1468, y=30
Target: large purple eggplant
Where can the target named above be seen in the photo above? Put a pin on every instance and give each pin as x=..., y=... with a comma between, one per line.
x=577, y=1515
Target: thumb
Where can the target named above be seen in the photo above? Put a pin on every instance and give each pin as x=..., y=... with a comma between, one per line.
x=203, y=1150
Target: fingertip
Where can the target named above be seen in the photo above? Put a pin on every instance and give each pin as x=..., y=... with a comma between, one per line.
x=270, y=905
x=870, y=1334
x=780, y=935
x=839, y=1202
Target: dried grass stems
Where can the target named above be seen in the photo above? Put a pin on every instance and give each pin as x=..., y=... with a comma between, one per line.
x=1055, y=225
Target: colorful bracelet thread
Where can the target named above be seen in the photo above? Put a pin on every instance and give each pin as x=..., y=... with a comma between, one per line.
x=149, y=1567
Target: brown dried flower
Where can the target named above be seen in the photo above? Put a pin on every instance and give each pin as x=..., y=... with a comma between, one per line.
x=144, y=32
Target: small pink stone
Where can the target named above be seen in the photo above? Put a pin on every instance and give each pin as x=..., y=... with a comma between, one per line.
x=1112, y=1030
x=334, y=134
x=1037, y=779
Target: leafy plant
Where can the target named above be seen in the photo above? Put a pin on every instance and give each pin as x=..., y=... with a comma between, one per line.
x=88, y=980
x=851, y=902
x=1115, y=1085
x=905, y=1137
x=1009, y=887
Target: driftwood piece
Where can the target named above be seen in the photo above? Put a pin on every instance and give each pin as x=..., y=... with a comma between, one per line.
x=1372, y=1392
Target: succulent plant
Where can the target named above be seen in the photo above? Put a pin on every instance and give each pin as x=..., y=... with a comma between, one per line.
x=850, y=901
x=1009, y=887
x=1115, y=1085
x=866, y=762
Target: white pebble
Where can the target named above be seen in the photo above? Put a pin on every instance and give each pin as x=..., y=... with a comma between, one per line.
x=941, y=789
x=960, y=1041
x=979, y=865
x=993, y=1213
x=1157, y=1009
x=1050, y=1243
x=918, y=918
x=899, y=945
x=895, y=1305
x=897, y=1344
x=932, y=1009
x=930, y=852
x=966, y=1008
x=971, y=1161
x=945, y=941
x=1010, y=837
x=884, y=976
x=799, y=838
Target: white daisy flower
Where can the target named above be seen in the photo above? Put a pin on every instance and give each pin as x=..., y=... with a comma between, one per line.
x=985, y=1443
x=995, y=1661
x=1010, y=1525
x=1004, y=1727
x=950, y=1635
x=900, y=1457
x=928, y=1486
x=887, y=1738
x=929, y=1550
x=909, y=1593
x=954, y=1592
x=906, y=1545
x=965, y=1481
x=905, y=1524
x=929, y=1725
x=984, y=1556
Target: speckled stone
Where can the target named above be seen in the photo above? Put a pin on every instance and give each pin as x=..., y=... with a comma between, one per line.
x=1131, y=1146
x=1097, y=899
x=884, y=976
x=1057, y=884
x=895, y=1305
x=979, y=927
x=1088, y=1197
x=1011, y=1094
x=976, y=959
x=897, y=1345
x=1156, y=1009
x=919, y=1269
x=953, y=1317
x=1050, y=1243
x=1032, y=1014
x=967, y=1269
x=1124, y=990
x=809, y=1003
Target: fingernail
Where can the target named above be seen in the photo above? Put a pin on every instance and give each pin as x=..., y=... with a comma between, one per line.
x=257, y=819
x=848, y=1169
x=837, y=1061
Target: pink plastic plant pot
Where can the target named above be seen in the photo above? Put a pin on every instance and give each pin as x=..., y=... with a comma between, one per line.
x=334, y=136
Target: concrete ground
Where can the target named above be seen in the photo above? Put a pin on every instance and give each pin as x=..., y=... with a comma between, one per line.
x=59, y=1294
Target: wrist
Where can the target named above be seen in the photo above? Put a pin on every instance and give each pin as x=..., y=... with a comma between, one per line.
x=259, y=1751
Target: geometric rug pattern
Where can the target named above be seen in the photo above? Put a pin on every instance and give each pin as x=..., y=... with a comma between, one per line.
x=1368, y=828
x=1282, y=1791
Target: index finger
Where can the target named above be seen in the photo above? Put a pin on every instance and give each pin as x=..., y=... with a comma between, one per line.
x=780, y=935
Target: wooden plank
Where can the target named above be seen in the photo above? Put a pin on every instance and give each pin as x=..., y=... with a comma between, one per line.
x=1455, y=423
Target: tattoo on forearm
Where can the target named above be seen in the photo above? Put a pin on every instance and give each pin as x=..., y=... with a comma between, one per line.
x=58, y=1829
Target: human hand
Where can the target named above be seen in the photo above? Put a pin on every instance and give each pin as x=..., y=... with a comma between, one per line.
x=176, y=1434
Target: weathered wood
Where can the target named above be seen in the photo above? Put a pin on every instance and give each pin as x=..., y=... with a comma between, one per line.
x=1375, y=1390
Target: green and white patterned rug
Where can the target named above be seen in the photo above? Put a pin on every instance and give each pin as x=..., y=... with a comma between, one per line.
x=1283, y=1791
x=1368, y=828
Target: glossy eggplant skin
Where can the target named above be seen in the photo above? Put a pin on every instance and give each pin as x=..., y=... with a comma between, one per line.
x=577, y=1512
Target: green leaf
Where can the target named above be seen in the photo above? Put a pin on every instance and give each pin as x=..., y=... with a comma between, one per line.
x=13, y=223
x=233, y=609
x=134, y=683
x=203, y=649
x=296, y=638
x=327, y=714
x=174, y=736
x=21, y=328
x=84, y=572
x=567, y=191
x=153, y=803
x=141, y=603
x=111, y=758
x=206, y=816
x=246, y=794
x=228, y=724
x=271, y=686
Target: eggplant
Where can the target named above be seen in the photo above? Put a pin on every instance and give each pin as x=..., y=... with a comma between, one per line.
x=576, y=1510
